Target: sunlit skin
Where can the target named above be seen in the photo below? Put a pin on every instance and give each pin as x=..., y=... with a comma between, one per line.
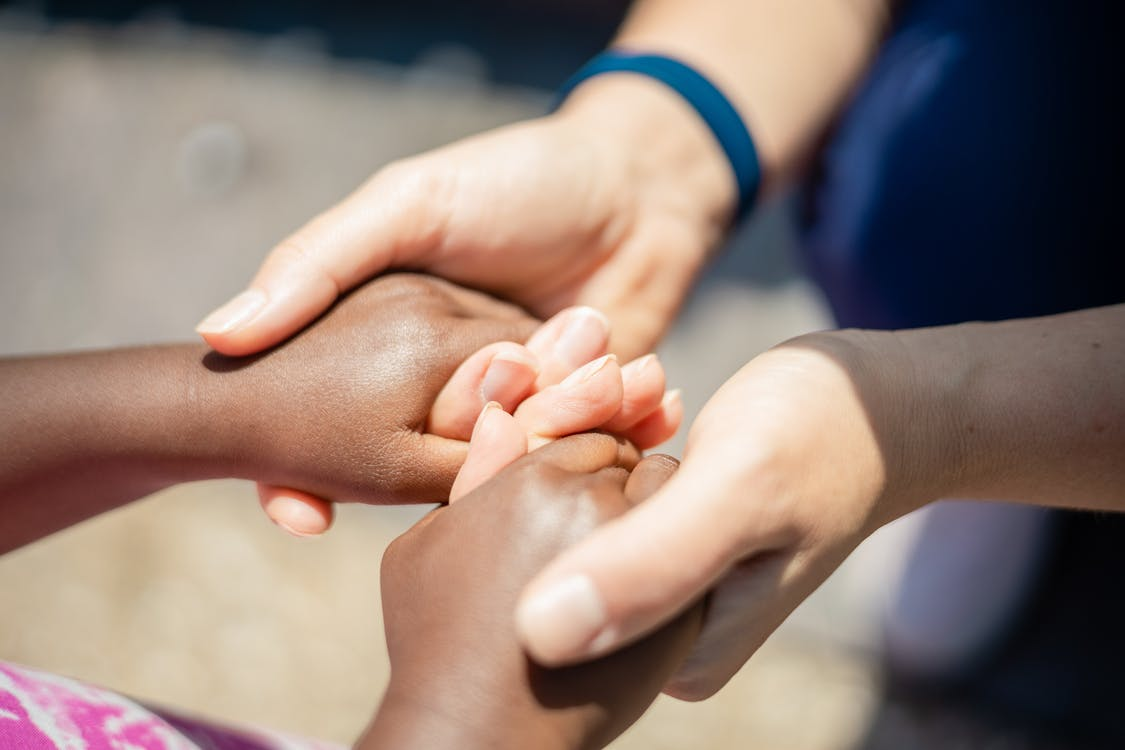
x=135, y=420
x=88, y=431
x=560, y=383
x=617, y=200
x=819, y=441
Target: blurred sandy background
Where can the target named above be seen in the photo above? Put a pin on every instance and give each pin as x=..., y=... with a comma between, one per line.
x=145, y=169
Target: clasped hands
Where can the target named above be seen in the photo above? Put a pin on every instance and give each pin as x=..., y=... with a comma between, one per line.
x=783, y=473
x=400, y=371
x=459, y=675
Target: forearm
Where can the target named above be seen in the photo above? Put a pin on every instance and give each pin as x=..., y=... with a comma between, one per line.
x=786, y=67
x=1029, y=410
x=84, y=433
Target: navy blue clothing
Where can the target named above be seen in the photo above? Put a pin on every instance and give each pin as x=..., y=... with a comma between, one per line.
x=975, y=175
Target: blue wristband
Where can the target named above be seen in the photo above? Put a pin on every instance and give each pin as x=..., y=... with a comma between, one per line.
x=715, y=109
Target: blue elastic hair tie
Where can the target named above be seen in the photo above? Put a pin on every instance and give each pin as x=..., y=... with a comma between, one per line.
x=715, y=109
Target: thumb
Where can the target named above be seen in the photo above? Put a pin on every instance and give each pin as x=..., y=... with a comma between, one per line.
x=631, y=575
x=389, y=221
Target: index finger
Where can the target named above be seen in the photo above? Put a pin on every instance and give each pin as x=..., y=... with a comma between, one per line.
x=386, y=222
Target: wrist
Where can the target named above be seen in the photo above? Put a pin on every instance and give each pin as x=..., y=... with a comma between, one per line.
x=911, y=408
x=166, y=408
x=671, y=158
x=85, y=433
x=411, y=715
x=931, y=378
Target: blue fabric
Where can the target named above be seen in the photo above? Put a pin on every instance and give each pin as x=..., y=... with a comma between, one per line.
x=976, y=175
x=707, y=100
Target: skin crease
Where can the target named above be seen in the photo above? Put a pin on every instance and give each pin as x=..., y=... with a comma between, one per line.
x=338, y=411
x=459, y=678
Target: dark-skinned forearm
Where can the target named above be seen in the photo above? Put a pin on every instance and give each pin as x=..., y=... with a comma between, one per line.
x=86, y=432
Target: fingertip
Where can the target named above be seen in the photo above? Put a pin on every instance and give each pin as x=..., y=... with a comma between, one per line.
x=649, y=476
x=236, y=312
x=606, y=364
x=638, y=366
x=510, y=376
x=567, y=341
x=642, y=392
x=486, y=423
x=297, y=513
x=583, y=401
x=262, y=317
x=497, y=440
x=563, y=622
x=661, y=425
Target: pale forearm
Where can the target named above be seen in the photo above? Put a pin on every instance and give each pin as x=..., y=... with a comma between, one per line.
x=786, y=66
x=1035, y=408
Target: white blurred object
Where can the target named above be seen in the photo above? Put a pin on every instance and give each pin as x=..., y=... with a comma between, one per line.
x=212, y=158
x=971, y=567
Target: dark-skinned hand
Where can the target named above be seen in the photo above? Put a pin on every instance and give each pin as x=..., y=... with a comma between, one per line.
x=459, y=677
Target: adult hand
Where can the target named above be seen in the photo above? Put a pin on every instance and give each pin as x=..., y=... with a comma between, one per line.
x=790, y=465
x=459, y=677
x=591, y=206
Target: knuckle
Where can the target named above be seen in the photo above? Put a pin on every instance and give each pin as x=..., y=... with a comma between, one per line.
x=289, y=252
x=693, y=687
x=663, y=463
x=413, y=289
x=540, y=482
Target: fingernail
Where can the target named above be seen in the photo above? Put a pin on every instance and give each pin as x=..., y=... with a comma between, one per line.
x=563, y=621
x=637, y=366
x=234, y=313
x=509, y=375
x=299, y=518
x=483, y=417
x=583, y=337
x=588, y=370
x=672, y=397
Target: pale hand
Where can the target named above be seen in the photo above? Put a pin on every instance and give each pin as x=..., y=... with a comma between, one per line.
x=573, y=208
x=788, y=467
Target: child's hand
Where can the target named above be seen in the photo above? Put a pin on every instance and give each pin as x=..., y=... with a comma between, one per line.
x=573, y=387
x=341, y=410
x=459, y=677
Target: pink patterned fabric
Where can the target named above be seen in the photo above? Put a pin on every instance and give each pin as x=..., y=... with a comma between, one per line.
x=41, y=711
